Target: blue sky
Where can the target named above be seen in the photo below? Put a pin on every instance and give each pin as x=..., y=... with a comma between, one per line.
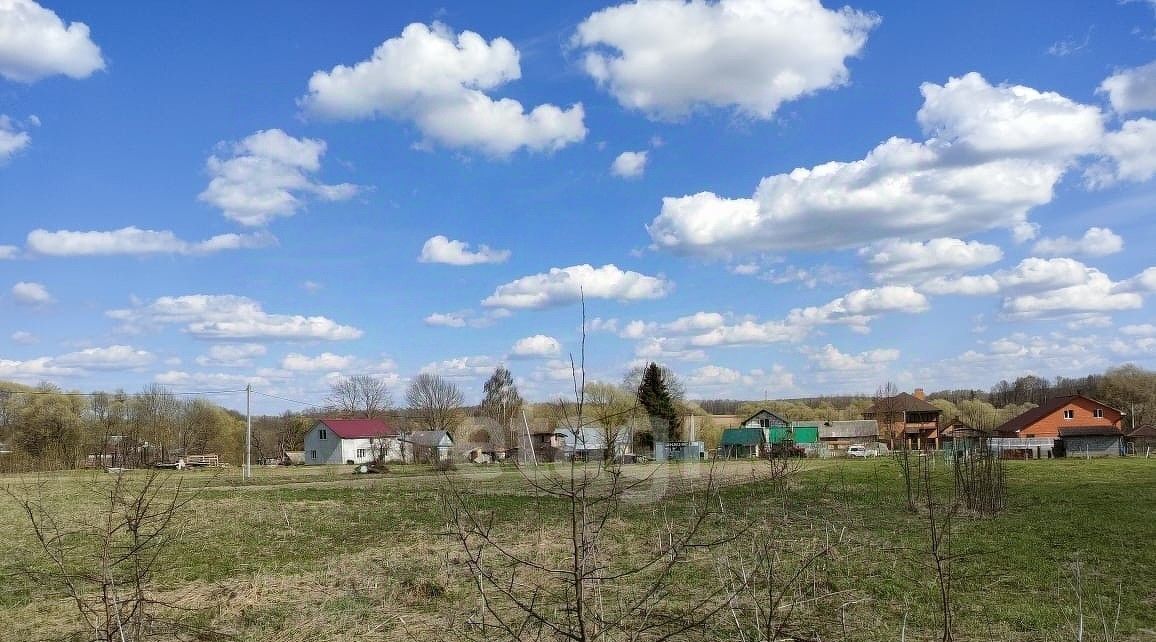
x=771, y=197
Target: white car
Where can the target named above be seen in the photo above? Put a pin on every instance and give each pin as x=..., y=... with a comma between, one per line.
x=861, y=451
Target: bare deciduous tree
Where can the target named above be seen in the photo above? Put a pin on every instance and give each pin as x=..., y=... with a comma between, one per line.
x=434, y=403
x=362, y=396
x=502, y=403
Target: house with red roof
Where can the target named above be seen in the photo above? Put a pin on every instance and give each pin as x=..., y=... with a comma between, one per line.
x=1082, y=425
x=351, y=441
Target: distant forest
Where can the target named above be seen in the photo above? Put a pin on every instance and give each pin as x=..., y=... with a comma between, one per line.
x=46, y=427
x=1129, y=388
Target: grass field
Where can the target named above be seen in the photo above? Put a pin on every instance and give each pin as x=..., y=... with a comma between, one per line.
x=319, y=554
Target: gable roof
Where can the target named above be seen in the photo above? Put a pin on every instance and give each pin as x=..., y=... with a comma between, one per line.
x=764, y=411
x=358, y=428
x=962, y=428
x=904, y=401
x=1144, y=431
x=592, y=436
x=428, y=438
x=848, y=429
x=1021, y=421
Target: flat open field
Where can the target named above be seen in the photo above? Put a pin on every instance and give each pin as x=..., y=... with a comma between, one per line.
x=320, y=554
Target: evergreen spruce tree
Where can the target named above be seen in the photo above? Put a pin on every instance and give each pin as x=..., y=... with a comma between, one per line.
x=665, y=423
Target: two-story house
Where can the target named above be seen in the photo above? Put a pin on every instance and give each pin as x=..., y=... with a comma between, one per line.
x=351, y=441
x=1083, y=425
x=906, y=419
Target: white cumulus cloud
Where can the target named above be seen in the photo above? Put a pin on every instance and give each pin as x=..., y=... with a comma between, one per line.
x=233, y=318
x=116, y=357
x=896, y=259
x=566, y=285
x=1128, y=153
x=856, y=309
x=35, y=43
x=439, y=81
x=135, y=241
x=31, y=293
x=232, y=355
x=326, y=361
x=462, y=367
x=446, y=320
x=537, y=346
x=268, y=174
x=1097, y=241
x=439, y=249
x=995, y=152
x=667, y=57
x=829, y=357
x=1132, y=89
x=1030, y=276
x=629, y=164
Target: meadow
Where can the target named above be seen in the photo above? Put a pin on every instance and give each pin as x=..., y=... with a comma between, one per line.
x=321, y=554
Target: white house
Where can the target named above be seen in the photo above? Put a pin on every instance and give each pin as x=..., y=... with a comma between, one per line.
x=351, y=441
x=590, y=441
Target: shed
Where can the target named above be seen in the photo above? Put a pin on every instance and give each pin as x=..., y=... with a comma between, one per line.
x=742, y=442
x=1092, y=441
x=961, y=436
x=1141, y=441
x=841, y=434
x=427, y=446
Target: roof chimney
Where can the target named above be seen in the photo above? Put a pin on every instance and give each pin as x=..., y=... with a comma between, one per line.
x=919, y=394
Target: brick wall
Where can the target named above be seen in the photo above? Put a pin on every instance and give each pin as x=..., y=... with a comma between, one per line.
x=1083, y=411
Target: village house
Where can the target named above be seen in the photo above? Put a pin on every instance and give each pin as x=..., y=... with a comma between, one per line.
x=752, y=436
x=959, y=435
x=838, y=435
x=351, y=441
x=764, y=429
x=590, y=442
x=906, y=419
x=546, y=444
x=1081, y=425
x=427, y=446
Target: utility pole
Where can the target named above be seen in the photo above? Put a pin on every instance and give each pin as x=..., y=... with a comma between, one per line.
x=248, y=431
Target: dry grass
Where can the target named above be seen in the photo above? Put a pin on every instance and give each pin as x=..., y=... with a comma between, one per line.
x=321, y=555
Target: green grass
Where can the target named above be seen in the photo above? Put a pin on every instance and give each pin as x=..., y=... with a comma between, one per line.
x=317, y=553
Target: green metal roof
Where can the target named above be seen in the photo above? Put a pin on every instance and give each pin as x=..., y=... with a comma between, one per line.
x=742, y=437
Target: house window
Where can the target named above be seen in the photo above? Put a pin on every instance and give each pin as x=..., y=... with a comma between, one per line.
x=360, y=453
x=1098, y=413
x=321, y=434
x=764, y=422
x=1069, y=414
x=313, y=454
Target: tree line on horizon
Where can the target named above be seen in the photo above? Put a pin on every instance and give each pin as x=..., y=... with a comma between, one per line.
x=44, y=426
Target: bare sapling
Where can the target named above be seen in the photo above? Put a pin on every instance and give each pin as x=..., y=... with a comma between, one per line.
x=105, y=561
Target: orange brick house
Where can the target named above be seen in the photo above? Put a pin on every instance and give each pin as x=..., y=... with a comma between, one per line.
x=1084, y=425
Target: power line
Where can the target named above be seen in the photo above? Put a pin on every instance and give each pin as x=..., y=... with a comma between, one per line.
x=303, y=403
